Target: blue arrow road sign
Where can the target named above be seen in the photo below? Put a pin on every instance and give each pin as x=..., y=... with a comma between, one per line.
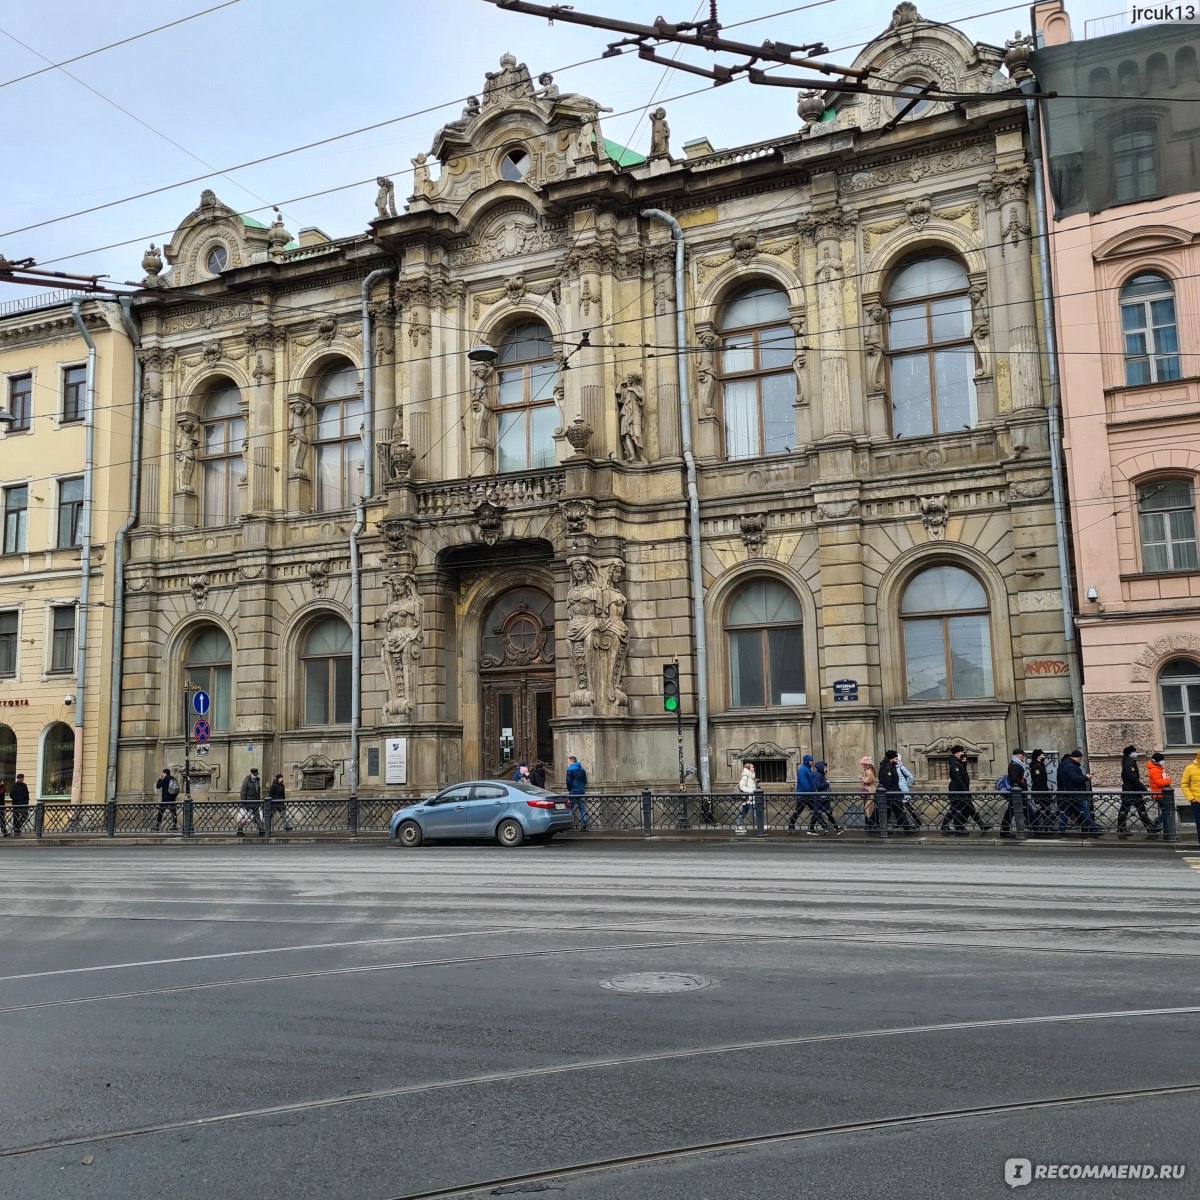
x=200, y=703
x=201, y=731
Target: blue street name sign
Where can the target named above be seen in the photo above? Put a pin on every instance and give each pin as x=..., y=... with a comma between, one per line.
x=845, y=689
x=200, y=703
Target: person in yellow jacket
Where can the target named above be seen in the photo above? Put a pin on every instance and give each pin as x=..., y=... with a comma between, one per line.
x=1190, y=783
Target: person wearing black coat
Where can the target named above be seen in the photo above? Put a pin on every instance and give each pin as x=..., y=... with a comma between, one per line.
x=1074, y=786
x=537, y=774
x=1133, y=791
x=19, y=795
x=961, y=808
x=1043, y=818
x=889, y=785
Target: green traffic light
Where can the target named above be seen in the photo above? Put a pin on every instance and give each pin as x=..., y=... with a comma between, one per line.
x=671, y=703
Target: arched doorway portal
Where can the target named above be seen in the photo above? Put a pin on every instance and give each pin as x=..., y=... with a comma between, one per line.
x=516, y=669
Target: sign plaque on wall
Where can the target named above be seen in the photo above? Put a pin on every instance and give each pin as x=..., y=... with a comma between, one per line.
x=845, y=690
x=396, y=760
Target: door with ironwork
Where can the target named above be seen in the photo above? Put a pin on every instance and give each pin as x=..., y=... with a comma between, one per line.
x=517, y=677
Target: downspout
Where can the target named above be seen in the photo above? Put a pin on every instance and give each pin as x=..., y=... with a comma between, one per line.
x=85, y=555
x=685, y=423
x=360, y=520
x=119, y=546
x=1054, y=415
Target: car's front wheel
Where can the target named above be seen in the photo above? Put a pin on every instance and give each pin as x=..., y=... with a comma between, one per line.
x=510, y=833
x=409, y=834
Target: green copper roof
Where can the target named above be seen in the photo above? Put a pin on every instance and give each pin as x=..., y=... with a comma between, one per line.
x=251, y=223
x=622, y=155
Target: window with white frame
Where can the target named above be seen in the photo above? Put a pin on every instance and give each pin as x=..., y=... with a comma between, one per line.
x=931, y=357
x=62, y=639
x=222, y=463
x=1167, y=525
x=526, y=415
x=74, y=393
x=338, y=407
x=1149, y=330
x=9, y=629
x=16, y=518
x=70, y=512
x=1179, y=694
x=946, y=629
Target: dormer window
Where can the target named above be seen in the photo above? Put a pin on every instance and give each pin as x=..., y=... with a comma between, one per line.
x=514, y=166
x=914, y=87
x=218, y=260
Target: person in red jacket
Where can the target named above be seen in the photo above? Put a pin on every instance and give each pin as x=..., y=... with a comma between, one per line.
x=1156, y=774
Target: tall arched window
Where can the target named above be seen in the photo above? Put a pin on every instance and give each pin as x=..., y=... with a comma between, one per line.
x=325, y=661
x=1179, y=693
x=758, y=384
x=1148, y=325
x=947, y=636
x=58, y=760
x=930, y=353
x=338, y=408
x=527, y=415
x=209, y=665
x=8, y=754
x=764, y=633
x=222, y=463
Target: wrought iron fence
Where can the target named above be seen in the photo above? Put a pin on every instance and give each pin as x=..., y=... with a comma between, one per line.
x=966, y=814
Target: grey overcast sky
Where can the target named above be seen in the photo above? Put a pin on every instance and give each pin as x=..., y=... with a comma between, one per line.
x=257, y=77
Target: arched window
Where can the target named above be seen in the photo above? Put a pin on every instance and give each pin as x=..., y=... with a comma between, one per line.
x=339, y=446
x=1167, y=525
x=1179, y=693
x=209, y=665
x=766, y=647
x=1148, y=325
x=947, y=636
x=1185, y=65
x=222, y=464
x=1135, y=164
x=930, y=353
x=914, y=87
x=8, y=755
x=325, y=660
x=758, y=384
x=58, y=760
x=526, y=377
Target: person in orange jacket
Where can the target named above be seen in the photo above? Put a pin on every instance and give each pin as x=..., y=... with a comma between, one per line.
x=1156, y=775
x=1190, y=784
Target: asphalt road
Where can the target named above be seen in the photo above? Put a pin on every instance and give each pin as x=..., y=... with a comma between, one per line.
x=363, y=1023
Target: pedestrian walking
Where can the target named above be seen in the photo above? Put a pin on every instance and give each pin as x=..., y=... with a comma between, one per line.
x=250, y=800
x=912, y=819
x=806, y=793
x=1189, y=784
x=1158, y=779
x=3, y=810
x=19, y=795
x=277, y=794
x=1074, y=784
x=576, y=787
x=167, y=787
x=960, y=808
x=888, y=791
x=537, y=774
x=822, y=806
x=868, y=782
x=1043, y=817
x=1132, y=792
x=1018, y=793
x=747, y=786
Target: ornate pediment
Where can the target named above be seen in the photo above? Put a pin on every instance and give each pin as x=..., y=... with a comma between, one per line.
x=211, y=240
x=1146, y=239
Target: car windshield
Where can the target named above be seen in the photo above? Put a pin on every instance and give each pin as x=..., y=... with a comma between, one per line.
x=529, y=789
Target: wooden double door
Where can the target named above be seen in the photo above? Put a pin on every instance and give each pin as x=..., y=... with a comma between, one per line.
x=517, y=711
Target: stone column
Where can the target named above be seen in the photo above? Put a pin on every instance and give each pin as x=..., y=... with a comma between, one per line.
x=661, y=279
x=157, y=365
x=417, y=338
x=389, y=421
x=260, y=462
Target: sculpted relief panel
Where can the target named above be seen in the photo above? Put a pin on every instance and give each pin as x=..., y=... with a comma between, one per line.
x=597, y=635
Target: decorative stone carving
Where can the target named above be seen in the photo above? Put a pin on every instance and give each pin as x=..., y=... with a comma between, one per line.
x=397, y=534
x=1029, y=489
x=917, y=212
x=935, y=512
x=400, y=460
x=576, y=516
x=277, y=236
x=1161, y=648
x=481, y=405
x=198, y=584
x=403, y=638
x=597, y=634
x=152, y=264
x=489, y=522
x=981, y=330
x=1010, y=191
x=318, y=576
x=509, y=84
x=385, y=199
x=187, y=440
x=298, y=435
x=549, y=89
x=873, y=344
x=579, y=434
x=660, y=134
x=754, y=533
x=212, y=352
x=706, y=370
x=630, y=402
x=422, y=186
x=837, y=510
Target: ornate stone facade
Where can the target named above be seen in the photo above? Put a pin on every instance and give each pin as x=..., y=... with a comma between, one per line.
x=524, y=561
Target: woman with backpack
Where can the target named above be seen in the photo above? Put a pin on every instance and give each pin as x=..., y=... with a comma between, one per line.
x=168, y=794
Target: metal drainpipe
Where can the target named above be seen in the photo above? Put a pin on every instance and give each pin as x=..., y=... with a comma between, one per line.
x=135, y=486
x=685, y=423
x=1054, y=417
x=85, y=555
x=360, y=520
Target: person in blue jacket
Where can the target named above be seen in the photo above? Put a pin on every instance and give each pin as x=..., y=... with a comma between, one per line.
x=806, y=791
x=576, y=786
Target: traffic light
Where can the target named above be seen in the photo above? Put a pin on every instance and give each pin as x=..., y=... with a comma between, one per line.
x=671, y=687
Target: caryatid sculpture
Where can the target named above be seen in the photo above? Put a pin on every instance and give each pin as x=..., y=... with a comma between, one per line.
x=630, y=401
x=597, y=634
x=186, y=442
x=481, y=405
x=403, y=638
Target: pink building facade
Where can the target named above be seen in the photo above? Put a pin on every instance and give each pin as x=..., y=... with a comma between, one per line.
x=1123, y=201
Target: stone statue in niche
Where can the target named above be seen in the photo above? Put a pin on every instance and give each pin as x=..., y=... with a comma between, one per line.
x=980, y=332
x=186, y=442
x=873, y=344
x=799, y=358
x=630, y=402
x=614, y=635
x=403, y=638
x=298, y=443
x=583, y=620
x=706, y=373
x=421, y=182
x=481, y=405
x=385, y=199
x=597, y=634
x=660, y=134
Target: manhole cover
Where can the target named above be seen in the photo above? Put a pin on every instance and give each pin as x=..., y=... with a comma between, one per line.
x=655, y=983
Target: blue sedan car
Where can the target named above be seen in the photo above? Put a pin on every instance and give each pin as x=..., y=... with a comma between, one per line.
x=483, y=808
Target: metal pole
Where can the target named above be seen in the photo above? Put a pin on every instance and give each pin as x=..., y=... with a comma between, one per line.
x=679, y=731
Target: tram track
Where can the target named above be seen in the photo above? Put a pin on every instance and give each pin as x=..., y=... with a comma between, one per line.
x=632, y=1060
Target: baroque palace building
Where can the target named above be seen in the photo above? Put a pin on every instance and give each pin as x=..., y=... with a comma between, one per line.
x=67, y=372
x=821, y=461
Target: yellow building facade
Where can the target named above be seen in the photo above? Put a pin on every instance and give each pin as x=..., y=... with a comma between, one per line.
x=67, y=379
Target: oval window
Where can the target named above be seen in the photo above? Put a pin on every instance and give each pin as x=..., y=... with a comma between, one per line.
x=515, y=165
x=218, y=259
